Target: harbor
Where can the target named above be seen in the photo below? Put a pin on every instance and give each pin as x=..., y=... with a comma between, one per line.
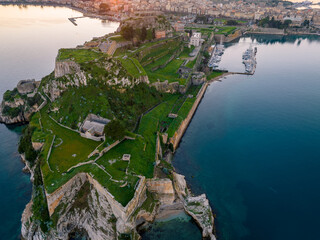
x=249, y=60
x=216, y=54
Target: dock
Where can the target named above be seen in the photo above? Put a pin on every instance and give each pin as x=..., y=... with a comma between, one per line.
x=73, y=20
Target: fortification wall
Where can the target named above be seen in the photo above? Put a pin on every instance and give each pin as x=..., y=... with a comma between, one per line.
x=163, y=188
x=70, y=187
x=119, y=211
x=185, y=123
x=65, y=67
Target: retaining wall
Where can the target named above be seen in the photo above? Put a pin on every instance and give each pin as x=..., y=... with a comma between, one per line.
x=185, y=123
x=75, y=183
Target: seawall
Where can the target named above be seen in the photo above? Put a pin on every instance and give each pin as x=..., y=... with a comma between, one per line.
x=175, y=140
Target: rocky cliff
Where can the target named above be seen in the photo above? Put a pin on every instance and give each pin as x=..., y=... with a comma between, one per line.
x=16, y=108
x=82, y=209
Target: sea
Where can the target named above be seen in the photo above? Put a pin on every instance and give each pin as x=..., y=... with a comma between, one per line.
x=253, y=146
x=30, y=37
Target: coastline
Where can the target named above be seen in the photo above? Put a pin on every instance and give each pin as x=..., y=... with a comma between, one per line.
x=172, y=212
x=50, y=4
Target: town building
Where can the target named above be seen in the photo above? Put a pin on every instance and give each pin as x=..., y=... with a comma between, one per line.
x=195, y=39
x=160, y=34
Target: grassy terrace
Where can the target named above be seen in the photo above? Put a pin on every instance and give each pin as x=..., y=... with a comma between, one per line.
x=142, y=149
x=183, y=111
x=62, y=157
x=170, y=71
x=214, y=74
x=167, y=73
x=118, y=176
x=225, y=30
x=133, y=66
x=217, y=30
x=118, y=39
x=76, y=103
x=150, y=58
x=79, y=55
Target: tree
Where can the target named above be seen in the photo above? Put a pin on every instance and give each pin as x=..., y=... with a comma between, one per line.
x=127, y=32
x=306, y=23
x=232, y=22
x=103, y=8
x=115, y=130
x=287, y=23
x=143, y=34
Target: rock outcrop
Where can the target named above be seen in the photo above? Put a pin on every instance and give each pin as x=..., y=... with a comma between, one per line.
x=198, y=207
x=65, y=67
x=163, y=189
x=22, y=117
x=81, y=209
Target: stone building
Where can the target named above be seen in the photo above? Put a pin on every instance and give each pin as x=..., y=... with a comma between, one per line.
x=26, y=86
x=195, y=39
x=93, y=127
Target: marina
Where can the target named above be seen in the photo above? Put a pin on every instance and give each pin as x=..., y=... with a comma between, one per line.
x=216, y=54
x=249, y=60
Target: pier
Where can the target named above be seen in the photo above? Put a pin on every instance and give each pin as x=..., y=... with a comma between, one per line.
x=73, y=20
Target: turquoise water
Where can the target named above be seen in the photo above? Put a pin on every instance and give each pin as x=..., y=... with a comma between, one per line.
x=15, y=189
x=30, y=39
x=253, y=145
x=180, y=227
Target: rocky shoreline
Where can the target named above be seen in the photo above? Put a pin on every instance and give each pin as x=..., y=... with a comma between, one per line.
x=173, y=200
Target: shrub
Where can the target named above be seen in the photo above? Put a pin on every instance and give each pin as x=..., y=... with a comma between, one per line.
x=9, y=95
x=34, y=100
x=115, y=130
x=25, y=145
x=11, y=112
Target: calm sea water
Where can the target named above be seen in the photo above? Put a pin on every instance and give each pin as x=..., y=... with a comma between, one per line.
x=253, y=145
x=30, y=37
x=180, y=227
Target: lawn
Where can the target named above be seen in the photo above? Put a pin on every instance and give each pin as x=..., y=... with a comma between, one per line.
x=118, y=39
x=72, y=150
x=68, y=149
x=142, y=149
x=169, y=72
x=78, y=55
x=169, y=47
x=61, y=159
x=186, y=51
x=213, y=75
x=190, y=64
x=153, y=57
x=225, y=30
x=133, y=67
x=76, y=103
x=183, y=110
x=221, y=30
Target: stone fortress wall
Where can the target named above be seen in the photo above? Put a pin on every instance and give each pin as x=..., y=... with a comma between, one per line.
x=75, y=183
x=185, y=123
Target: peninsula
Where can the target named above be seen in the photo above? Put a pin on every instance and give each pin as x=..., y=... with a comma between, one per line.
x=103, y=126
x=102, y=129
